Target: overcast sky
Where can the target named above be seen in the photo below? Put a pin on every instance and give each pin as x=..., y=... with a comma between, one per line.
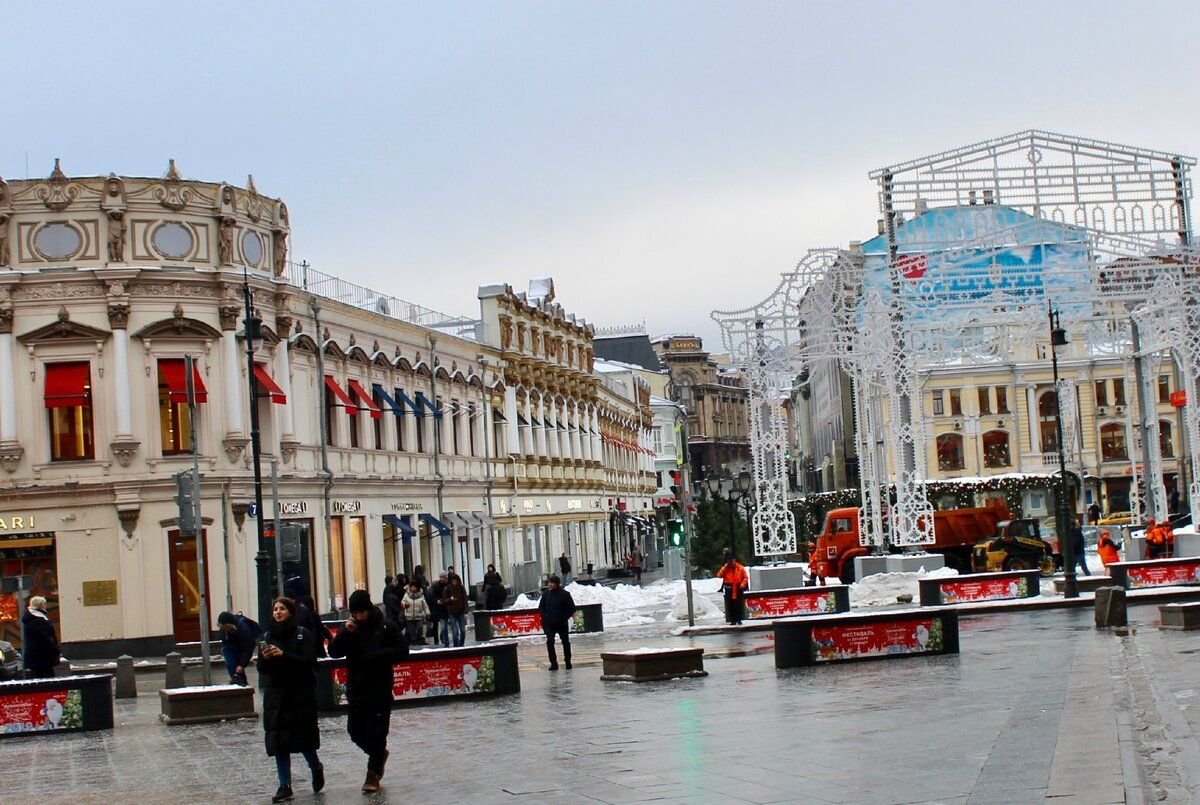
x=658, y=159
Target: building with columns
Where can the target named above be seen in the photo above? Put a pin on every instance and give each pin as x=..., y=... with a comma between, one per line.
x=394, y=436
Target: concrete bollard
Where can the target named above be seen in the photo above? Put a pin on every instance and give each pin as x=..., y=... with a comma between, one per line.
x=174, y=670
x=126, y=678
x=1110, y=608
x=63, y=668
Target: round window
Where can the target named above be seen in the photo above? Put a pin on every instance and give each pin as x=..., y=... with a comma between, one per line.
x=57, y=241
x=173, y=240
x=252, y=248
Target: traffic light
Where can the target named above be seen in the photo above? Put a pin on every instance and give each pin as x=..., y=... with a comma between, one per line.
x=676, y=482
x=675, y=532
x=187, y=511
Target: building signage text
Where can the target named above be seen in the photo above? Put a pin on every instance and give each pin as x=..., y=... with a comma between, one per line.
x=293, y=507
x=18, y=521
x=347, y=506
x=407, y=507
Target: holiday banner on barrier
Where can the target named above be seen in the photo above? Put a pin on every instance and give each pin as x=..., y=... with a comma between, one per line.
x=41, y=710
x=518, y=623
x=782, y=606
x=418, y=678
x=954, y=592
x=910, y=636
x=1163, y=575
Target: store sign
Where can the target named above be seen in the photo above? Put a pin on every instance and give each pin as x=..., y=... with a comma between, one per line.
x=407, y=507
x=954, y=592
x=41, y=711
x=575, y=504
x=293, y=507
x=528, y=504
x=1178, y=398
x=1163, y=575
x=347, y=506
x=18, y=522
x=782, y=606
x=877, y=639
x=420, y=678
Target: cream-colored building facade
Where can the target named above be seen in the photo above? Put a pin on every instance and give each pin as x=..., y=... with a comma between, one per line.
x=394, y=444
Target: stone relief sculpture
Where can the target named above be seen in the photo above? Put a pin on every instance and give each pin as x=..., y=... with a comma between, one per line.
x=3, y=239
x=116, y=236
x=280, y=251
x=506, y=333
x=225, y=242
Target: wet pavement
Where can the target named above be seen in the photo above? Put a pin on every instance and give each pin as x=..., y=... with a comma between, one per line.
x=1039, y=705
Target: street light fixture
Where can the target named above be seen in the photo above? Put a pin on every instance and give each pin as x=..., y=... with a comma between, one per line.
x=254, y=341
x=714, y=483
x=1058, y=338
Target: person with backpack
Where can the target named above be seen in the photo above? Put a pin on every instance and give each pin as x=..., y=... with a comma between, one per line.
x=306, y=616
x=237, y=644
x=372, y=644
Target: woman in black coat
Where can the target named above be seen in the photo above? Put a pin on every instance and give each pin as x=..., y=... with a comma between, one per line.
x=286, y=661
x=39, y=645
x=494, y=593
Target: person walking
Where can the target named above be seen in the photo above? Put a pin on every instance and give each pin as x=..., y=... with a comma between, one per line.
x=391, y=601
x=237, y=646
x=39, y=644
x=1107, y=548
x=287, y=659
x=372, y=645
x=1156, y=540
x=416, y=612
x=435, y=596
x=454, y=599
x=420, y=578
x=817, y=571
x=734, y=582
x=494, y=593
x=1078, y=548
x=556, y=608
x=306, y=616
x=564, y=568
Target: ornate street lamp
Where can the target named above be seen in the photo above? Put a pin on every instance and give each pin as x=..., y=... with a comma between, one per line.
x=254, y=340
x=1058, y=338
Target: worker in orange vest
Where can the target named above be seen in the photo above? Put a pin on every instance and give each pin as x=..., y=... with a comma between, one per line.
x=1106, y=548
x=734, y=582
x=1156, y=540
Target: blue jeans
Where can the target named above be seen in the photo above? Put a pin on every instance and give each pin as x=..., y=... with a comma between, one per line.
x=283, y=765
x=1081, y=560
x=230, y=654
x=458, y=630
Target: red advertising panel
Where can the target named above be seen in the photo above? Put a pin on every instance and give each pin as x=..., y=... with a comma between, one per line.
x=517, y=623
x=782, y=606
x=419, y=678
x=954, y=592
x=41, y=710
x=1163, y=575
x=851, y=642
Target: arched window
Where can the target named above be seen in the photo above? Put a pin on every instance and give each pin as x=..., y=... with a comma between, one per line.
x=1166, y=446
x=1112, y=442
x=995, y=449
x=950, y=451
x=1048, y=421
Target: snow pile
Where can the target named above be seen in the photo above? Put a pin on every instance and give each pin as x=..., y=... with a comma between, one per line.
x=702, y=606
x=882, y=589
x=632, y=605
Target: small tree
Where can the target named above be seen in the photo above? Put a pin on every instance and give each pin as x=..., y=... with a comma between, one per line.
x=711, y=535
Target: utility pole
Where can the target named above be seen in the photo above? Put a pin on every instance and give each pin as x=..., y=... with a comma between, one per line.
x=685, y=498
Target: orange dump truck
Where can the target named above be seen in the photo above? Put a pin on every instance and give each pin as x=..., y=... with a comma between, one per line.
x=955, y=531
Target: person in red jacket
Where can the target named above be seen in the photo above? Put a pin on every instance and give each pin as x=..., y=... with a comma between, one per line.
x=1106, y=548
x=734, y=582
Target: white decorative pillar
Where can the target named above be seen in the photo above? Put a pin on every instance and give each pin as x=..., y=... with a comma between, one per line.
x=550, y=426
x=288, y=443
x=235, y=440
x=124, y=445
x=540, y=435
x=597, y=449
x=576, y=450
x=527, y=445
x=1035, y=423
x=511, y=435
x=10, y=448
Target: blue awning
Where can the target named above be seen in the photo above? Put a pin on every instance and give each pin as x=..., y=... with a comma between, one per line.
x=406, y=400
x=438, y=525
x=407, y=532
x=397, y=409
x=430, y=407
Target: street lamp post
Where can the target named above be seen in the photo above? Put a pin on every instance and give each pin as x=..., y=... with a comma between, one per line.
x=745, y=485
x=1058, y=338
x=253, y=333
x=714, y=481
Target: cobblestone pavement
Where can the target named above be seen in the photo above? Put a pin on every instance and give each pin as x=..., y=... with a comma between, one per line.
x=1039, y=706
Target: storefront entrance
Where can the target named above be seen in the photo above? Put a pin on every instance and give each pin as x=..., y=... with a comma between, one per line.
x=31, y=558
x=185, y=587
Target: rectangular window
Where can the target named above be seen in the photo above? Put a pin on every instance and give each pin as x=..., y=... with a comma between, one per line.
x=955, y=402
x=455, y=423
x=330, y=419
x=69, y=409
x=377, y=422
x=1101, y=392
x=1164, y=388
x=471, y=413
x=1001, y=400
x=985, y=400
x=337, y=561
x=938, y=405
x=358, y=552
x=174, y=416
x=1118, y=391
x=352, y=413
x=400, y=421
x=658, y=442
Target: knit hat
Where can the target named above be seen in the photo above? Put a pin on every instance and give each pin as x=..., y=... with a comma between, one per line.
x=360, y=601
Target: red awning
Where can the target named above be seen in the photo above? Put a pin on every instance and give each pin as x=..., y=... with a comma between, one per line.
x=171, y=372
x=339, y=394
x=68, y=384
x=267, y=387
x=365, y=398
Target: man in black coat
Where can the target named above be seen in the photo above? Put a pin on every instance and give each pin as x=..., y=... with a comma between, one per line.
x=372, y=644
x=237, y=646
x=437, y=610
x=556, y=608
x=391, y=601
x=39, y=645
